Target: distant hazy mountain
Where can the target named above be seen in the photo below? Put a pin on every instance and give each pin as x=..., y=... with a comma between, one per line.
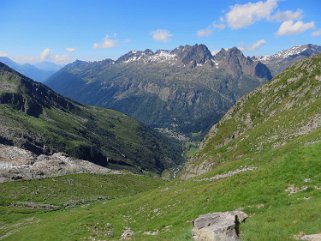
x=279, y=61
x=49, y=66
x=39, y=72
x=34, y=117
x=185, y=90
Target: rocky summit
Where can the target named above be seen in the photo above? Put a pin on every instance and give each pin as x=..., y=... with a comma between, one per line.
x=285, y=58
x=185, y=90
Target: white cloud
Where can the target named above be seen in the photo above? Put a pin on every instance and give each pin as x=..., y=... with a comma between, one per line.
x=70, y=50
x=258, y=44
x=287, y=15
x=254, y=46
x=290, y=27
x=317, y=33
x=210, y=29
x=204, y=32
x=108, y=43
x=220, y=26
x=243, y=15
x=60, y=59
x=45, y=54
x=161, y=35
x=3, y=54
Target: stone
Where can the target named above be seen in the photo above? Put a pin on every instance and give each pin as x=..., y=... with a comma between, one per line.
x=17, y=164
x=109, y=225
x=220, y=226
x=127, y=234
x=152, y=233
x=311, y=237
x=110, y=234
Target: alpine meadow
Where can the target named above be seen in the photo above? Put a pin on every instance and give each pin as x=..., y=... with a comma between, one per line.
x=160, y=120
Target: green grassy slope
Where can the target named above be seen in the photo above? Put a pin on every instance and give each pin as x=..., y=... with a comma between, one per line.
x=265, y=119
x=274, y=129
x=34, y=117
x=170, y=208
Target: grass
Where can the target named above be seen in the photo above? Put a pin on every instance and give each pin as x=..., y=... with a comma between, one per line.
x=36, y=118
x=148, y=204
x=170, y=208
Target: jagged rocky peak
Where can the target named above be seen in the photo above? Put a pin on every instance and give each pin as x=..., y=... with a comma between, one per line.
x=134, y=55
x=196, y=54
x=229, y=53
x=234, y=61
x=306, y=50
x=234, y=51
x=231, y=59
x=281, y=60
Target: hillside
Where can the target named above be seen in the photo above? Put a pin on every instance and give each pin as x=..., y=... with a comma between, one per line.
x=185, y=90
x=266, y=155
x=285, y=110
x=35, y=118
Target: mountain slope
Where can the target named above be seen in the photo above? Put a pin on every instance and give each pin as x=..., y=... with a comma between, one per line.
x=278, y=186
x=185, y=90
x=39, y=72
x=34, y=117
x=281, y=60
x=282, y=111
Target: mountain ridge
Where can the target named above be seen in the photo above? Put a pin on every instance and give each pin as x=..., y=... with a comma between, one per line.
x=268, y=118
x=284, y=58
x=35, y=118
x=180, y=89
x=39, y=71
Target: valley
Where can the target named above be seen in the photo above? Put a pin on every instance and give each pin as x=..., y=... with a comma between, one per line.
x=272, y=180
x=160, y=120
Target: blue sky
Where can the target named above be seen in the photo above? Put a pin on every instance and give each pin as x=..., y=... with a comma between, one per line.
x=62, y=31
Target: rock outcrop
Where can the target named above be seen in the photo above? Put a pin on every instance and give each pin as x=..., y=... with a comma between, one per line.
x=222, y=226
x=310, y=237
x=17, y=163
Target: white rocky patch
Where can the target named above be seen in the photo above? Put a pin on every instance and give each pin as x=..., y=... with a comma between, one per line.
x=17, y=163
x=162, y=56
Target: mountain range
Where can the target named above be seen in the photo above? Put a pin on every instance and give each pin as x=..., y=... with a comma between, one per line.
x=36, y=118
x=38, y=71
x=261, y=158
x=281, y=60
x=185, y=90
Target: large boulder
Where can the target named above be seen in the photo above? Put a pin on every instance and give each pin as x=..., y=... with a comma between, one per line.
x=221, y=226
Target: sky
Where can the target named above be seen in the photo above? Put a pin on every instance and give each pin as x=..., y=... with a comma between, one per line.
x=61, y=31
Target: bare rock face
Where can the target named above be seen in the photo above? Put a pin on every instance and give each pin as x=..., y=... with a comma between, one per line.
x=221, y=226
x=17, y=163
x=311, y=237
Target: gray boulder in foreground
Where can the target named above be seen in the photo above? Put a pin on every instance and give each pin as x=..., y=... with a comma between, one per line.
x=220, y=226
